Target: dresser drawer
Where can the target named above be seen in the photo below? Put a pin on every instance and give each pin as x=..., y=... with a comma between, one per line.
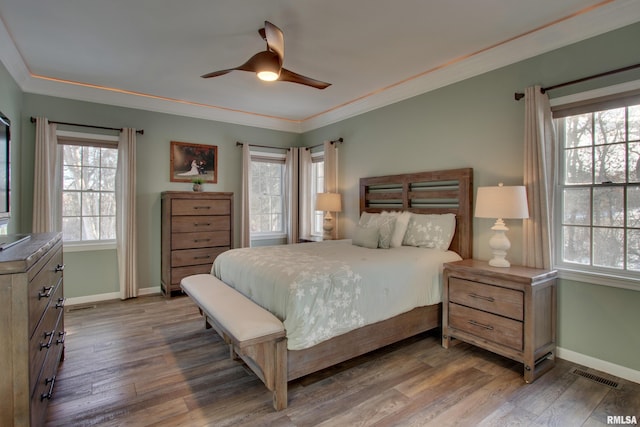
x=200, y=207
x=195, y=256
x=494, y=299
x=506, y=332
x=42, y=288
x=200, y=240
x=44, y=385
x=46, y=335
x=179, y=273
x=197, y=224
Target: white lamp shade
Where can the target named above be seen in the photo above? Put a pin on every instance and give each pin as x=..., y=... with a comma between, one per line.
x=502, y=202
x=328, y=202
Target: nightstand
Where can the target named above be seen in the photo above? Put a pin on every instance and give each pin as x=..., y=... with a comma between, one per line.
x=509, y=311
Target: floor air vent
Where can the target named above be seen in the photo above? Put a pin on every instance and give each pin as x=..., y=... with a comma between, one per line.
x=80, y=307
x=596, y=378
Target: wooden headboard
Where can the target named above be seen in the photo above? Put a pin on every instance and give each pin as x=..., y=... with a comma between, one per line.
x=435, y=192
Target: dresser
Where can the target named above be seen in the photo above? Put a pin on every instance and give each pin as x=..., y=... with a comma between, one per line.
x=31, y=327
x=509, y=311
x=196, y=228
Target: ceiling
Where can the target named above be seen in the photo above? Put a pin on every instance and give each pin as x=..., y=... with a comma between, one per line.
x=150, y=54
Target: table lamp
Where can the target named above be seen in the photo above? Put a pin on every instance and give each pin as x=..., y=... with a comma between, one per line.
x=501, y=202
x=328, y=202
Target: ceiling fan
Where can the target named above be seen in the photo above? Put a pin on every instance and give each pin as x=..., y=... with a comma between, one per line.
x=268, y=64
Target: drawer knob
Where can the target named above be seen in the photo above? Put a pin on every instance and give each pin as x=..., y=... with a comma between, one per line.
x=202, y=207
x=482, y=297
x=201, y=240
x=59, y=268
x=202, y=257
x=480, y=325
x=62, y=335
x=60, y=303
x=45, y=292
x=203, y=224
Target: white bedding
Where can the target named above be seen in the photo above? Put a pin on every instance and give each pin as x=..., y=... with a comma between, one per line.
x=321, y=290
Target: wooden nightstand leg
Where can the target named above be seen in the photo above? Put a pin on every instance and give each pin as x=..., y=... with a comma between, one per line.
x=446, y=340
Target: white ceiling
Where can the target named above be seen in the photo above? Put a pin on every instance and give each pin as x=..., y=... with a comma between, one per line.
x=150, y=54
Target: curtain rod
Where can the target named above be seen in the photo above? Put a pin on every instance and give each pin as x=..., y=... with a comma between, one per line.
x=335, y=141
x=238, y=143
x=140, y=131
x=519, y=95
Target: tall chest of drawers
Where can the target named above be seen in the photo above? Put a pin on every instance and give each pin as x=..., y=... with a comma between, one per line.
x=31, y=327
x=196, y=228
x=510, y=311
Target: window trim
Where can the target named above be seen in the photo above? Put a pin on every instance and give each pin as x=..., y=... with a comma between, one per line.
x=568, y=271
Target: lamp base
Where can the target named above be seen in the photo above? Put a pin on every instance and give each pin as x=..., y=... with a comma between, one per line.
x=499, y=244
x=327, y=227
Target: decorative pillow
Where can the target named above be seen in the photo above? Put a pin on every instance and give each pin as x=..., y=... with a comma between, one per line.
x=366, y=237
x=430, y=231
x=384, y=224
x=400, y=227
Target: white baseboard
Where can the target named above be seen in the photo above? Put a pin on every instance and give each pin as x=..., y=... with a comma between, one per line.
x=88, y=299
x=601, y=365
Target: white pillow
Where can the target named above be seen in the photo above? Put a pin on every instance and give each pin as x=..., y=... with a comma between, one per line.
x=384, y=224
x=430, y=231
x=400, y=227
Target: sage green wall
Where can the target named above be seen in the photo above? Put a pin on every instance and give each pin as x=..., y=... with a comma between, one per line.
x=476, y=123
x=11, y=105
x=152, y=155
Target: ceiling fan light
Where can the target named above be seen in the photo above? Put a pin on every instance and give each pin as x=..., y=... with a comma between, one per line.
x=267, y=75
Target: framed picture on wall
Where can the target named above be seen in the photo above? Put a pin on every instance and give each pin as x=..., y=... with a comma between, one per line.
x=194, y=161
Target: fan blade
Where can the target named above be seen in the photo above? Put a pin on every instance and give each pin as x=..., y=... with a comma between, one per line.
x=274, y=38
x=290, y=76
x=217, y=73
x=255, y=63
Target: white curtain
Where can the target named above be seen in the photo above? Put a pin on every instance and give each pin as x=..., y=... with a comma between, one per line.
x=47, y=206
x=245, y=226
x=291, y=194
x=306, y=199
x=126, y=214
x=331, y=176
x=539, y=169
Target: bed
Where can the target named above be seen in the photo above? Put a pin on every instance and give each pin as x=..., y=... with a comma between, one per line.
x=310, y=350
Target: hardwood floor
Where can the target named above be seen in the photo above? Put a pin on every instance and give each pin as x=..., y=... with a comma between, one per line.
x=150, y=362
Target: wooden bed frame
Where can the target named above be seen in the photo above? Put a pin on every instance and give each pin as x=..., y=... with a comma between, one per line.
x=437, y=192
x=448, y=191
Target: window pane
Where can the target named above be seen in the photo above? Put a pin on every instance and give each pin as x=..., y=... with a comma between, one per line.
x=108, y=179
x=633, y=250
x=634, y=162
x=577, y=206
x=576, y=245
x=578, y=166
x=72, y=155
x=108, y=228
x=72, y=178
x=108, y=204
x=610, y=126
x=91, y=203
x=578, y=130
x=610, y=163
x=71, y=228
x=90, y=228
x=634, y=123
x=109, y=157
x=70, y=204
x=608, y=247
x=608, y=206
x=633, y=206
x=91, y=156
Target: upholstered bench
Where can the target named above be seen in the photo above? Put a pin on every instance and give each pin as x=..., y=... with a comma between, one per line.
x=253, y=333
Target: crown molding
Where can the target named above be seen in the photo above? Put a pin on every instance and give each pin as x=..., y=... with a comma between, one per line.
x=607, y=17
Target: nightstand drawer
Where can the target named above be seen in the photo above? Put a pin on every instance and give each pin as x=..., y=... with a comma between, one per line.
x=494, y=299
x=506, y=332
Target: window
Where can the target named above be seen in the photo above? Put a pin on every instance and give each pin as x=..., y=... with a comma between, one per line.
x=267, y=195
x=317, y=186
x=599, y=189
x=88, y=191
